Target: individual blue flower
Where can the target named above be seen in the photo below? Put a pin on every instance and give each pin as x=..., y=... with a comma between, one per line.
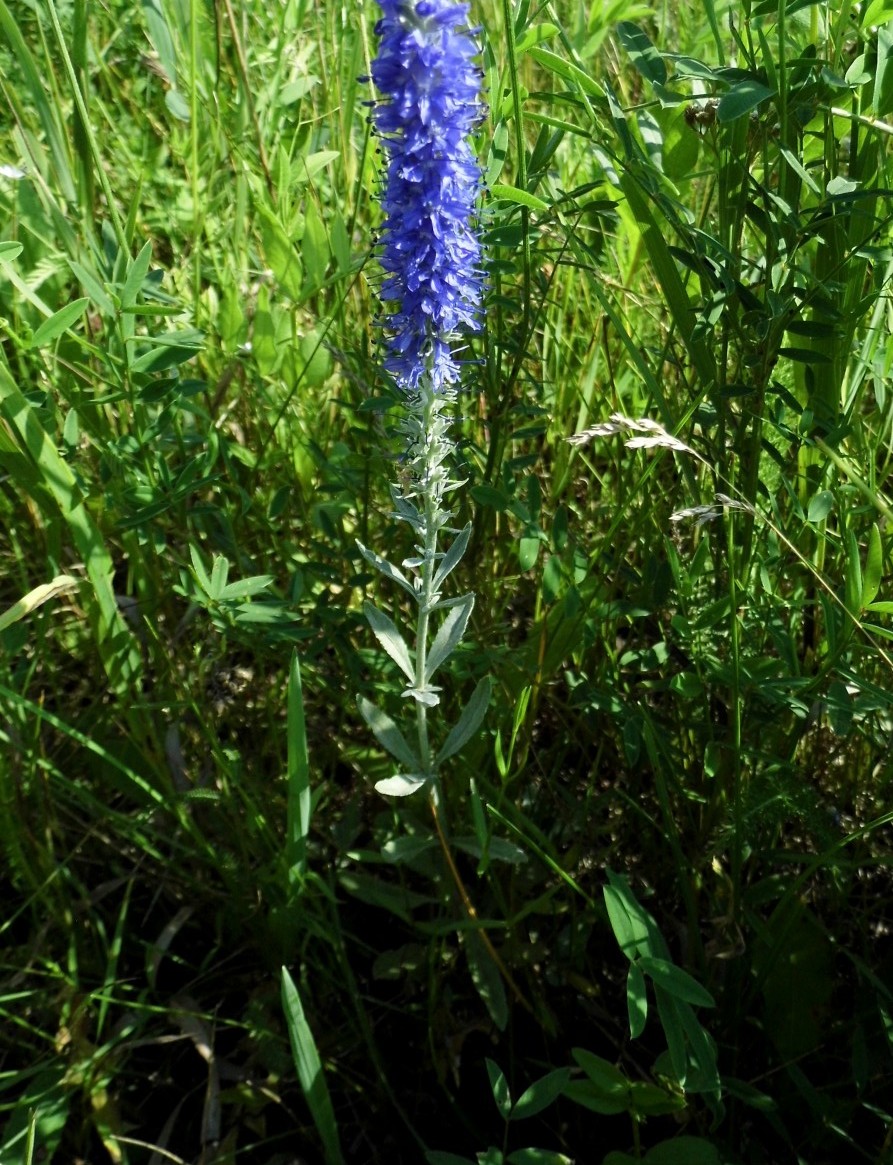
x=431, y=255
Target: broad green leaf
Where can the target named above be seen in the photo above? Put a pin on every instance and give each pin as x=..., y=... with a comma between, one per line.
x=169, y=350
x=633, y=927
x=676, y=982
x=562, y=68
x=683, y=1150
x=59, y=322
x=499, y=1087
x=136, y=276
x=587, y=1094
x=468, y=723
x=309, y=1069
x=874, y=567
x=651, y=1100
x=540, y=1094
x=521, y=197
x=674, y=1032
x=389, y=637
x=9, y=250
x=636, y=1000
x=298, y=793
x=607, y=1078
x=449, y=635
x=853, y=574
x=538, y=1157
x=388, y=734
x=535, y=35
x=498, y=849
x=642, y=53
x=742, y=98
x=820, y=506
x=486, y=977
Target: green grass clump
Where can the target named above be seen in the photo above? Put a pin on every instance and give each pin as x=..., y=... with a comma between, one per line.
x=656, y=927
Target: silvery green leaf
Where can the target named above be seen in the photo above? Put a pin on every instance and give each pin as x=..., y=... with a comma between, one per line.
x=449, y=634
x=386, y=569
x=401, y=785
x=426, y=695
x=387, y=733
x=389, y=637
x=454, y=601
x=468, y=723
x=453, y=556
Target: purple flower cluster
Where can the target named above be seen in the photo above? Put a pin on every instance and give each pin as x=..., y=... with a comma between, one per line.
x=429, y=104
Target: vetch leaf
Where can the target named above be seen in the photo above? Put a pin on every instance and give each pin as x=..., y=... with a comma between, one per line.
x=468, y=723
x=486, y=978
x=521, y=197
x=388, y=734
x=874, y=566
x=676, y=982
x=389, y=637
x=500, y=1089
x=139, y=269
x=449, y=635
x=636, y=1000
x=541, y=1094
x=59, y=322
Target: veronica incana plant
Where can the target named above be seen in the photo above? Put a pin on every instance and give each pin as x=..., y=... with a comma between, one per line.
x=428, y=104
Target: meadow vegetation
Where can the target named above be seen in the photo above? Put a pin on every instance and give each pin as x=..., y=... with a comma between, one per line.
x=657, y=925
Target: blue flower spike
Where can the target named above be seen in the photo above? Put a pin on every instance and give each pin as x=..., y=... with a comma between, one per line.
x=431, y=255
x=432, y=291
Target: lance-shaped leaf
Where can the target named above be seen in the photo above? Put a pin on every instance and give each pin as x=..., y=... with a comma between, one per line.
x=468, y=723
x=401, y=785
x=389, y=637
x=386, y=569
x=453, y=556
x=388, y=734
x=449, y=635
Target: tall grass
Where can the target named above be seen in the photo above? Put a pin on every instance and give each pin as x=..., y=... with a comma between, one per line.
x=673, y=828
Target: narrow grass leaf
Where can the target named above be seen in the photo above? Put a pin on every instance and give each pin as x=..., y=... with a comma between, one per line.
x=298, y=801
x=309, y=1069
